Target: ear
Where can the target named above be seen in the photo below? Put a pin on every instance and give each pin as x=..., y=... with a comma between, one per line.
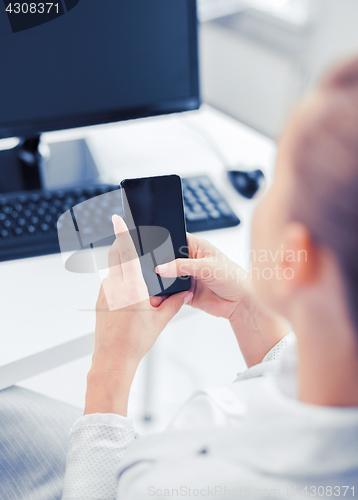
x=299, y=259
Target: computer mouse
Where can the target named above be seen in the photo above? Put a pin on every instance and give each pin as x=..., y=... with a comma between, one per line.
x=246, y=183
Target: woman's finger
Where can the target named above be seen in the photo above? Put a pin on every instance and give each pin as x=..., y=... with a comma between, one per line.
x=172, y=305
x=156, y=301
x=199, y=268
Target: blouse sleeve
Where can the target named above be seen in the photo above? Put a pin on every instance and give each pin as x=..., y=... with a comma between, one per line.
x=97, y=444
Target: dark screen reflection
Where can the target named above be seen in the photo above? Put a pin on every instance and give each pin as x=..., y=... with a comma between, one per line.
x=150, y=204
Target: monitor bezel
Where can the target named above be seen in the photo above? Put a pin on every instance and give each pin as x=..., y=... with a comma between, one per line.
x=35, y=127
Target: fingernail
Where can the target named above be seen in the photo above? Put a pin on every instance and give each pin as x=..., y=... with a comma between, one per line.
x=162, y=269
x=115, y=220
x=188, y=297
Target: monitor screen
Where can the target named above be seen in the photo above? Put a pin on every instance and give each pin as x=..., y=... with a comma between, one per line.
x=83, y=62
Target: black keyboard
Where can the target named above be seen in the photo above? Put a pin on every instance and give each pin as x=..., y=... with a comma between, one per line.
x=29, y=220
x=205, y=208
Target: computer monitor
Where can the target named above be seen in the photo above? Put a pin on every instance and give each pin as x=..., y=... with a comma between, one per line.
x=75, y=63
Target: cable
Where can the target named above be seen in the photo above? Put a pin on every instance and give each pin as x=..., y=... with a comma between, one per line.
x=207, y=139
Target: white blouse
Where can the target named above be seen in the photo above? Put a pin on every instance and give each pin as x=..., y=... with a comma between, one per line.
x=98, y=442
x=250, y=439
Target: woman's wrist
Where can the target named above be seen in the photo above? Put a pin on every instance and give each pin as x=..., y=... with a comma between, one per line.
x=256, y=328
x=108, y=388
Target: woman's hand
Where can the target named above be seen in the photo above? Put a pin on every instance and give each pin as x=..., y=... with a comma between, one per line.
x=219, y=286
x=222, y=288
x=128, y=323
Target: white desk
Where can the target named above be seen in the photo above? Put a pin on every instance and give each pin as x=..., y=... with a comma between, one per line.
x=47, y=312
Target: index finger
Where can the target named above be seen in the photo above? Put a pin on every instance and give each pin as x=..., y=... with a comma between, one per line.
x=128, y=255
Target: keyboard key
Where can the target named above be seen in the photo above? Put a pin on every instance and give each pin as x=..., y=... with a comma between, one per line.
x=215, y=214
x=21, y=222
x=189, y=197
x=7, y=223
x=197, y=208
x=205, y=182
x=31, y=229
x=224, y=208
x=103, y=189
x=4, y=233
x=98, y=220
x=35, y=220
x=45, y=227
x=27, y=212
x=193, y=182
x=2, y=217
x=90, y=192
x=6, y=209
x=203, y=198
x=196, y=215
x=18, y=231
x=215, y=195
x=209, y=206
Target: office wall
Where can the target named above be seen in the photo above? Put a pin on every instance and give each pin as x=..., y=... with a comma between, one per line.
x=256, y=67
x=247, y=79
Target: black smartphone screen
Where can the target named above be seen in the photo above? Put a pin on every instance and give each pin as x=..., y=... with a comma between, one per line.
x=154, y=213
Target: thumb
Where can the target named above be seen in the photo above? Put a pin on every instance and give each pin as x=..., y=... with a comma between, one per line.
x=172, y=305
x=202, y=269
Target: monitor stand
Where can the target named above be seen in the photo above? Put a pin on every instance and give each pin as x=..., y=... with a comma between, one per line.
x=32, y=165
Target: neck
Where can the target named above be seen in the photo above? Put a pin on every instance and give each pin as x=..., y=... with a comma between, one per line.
x=328, y=355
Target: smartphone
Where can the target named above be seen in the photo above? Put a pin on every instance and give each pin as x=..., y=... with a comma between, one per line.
x=154, y=213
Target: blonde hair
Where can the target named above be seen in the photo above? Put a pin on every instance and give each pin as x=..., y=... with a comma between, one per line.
x=325, y=158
